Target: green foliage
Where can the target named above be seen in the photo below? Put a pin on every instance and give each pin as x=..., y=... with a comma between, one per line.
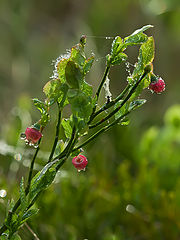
x=137, y=37
x=88, y=64
x=124, y=196
x=136, y=104
x=28, y=214
x=66, y=123
x=68, y=86
x=81, y=105
x=121, y=57
x=24, y=202
x=73, y=75
x=41, y=181
x=15, y=237
x=55, y=91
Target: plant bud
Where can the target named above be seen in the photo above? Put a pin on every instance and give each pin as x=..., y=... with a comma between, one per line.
x=80, y=162
x=32, y=135
x=157, y=86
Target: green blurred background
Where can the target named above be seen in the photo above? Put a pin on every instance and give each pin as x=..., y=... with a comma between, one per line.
x=131, y=189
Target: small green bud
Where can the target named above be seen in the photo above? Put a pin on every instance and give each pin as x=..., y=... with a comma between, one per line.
x=36, y=126
x=83, y=40
x=148, y=68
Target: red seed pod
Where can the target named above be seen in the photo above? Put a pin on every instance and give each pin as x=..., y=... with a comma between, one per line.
x=32, y=135
x=80, y=162
x=157, y=86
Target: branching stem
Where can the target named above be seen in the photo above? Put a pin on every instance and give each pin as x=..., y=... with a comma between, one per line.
x=122, y=104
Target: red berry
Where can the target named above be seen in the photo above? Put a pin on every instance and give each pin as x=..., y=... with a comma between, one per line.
x=157, y=86
x=32, y=135
x=80, y=162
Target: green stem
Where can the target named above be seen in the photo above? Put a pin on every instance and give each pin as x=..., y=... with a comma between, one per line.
x=17, y=204
x=99, y=89
x=122, y=104
x=105, y=128
x=57, y=135
x=66, y=150
x=102, y=82
x=32, y=167
x=110, y=104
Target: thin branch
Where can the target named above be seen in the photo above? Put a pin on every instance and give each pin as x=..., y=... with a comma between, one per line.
x=104, y=129
x=57, y=135
x=122, y=104
x=32, y=167
x=99, y=90
x=111, y=103
x=30, y=229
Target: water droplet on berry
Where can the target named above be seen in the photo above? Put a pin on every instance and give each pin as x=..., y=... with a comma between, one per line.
x=23, y=136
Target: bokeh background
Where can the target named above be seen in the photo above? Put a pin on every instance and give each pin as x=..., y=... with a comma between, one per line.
x=131, y=189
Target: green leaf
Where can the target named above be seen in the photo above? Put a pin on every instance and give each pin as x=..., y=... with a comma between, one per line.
x=61, y=66
x=24, y=202
x=77, y=55
x=41, y=106
x=136, y=104
x=135, y=39
x=59, y=147
x=29, y=214
x=138, y=31
x=121, y=57
x=124, y=122
x=73, y=75
x=4, y=236
x=66, y=123
x=143, y=84
x=44, y=119
x=80, y=124
x=81, y=105
x=41, y=181
x=88, y=64
x=15, y=237
x=55, y=90
x=147, y=51
x=123, y=110
x=146, y=56
x=117, y=46
x=86, y=88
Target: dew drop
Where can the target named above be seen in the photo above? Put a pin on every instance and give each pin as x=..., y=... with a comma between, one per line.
x=130, y=208
x=23, y=136
x=18, y=157
x=3, y=193
x=79, y=170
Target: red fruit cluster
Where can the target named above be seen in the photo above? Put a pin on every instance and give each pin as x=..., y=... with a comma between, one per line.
x=80, y=162
x=157, y=86
x=32, y=135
